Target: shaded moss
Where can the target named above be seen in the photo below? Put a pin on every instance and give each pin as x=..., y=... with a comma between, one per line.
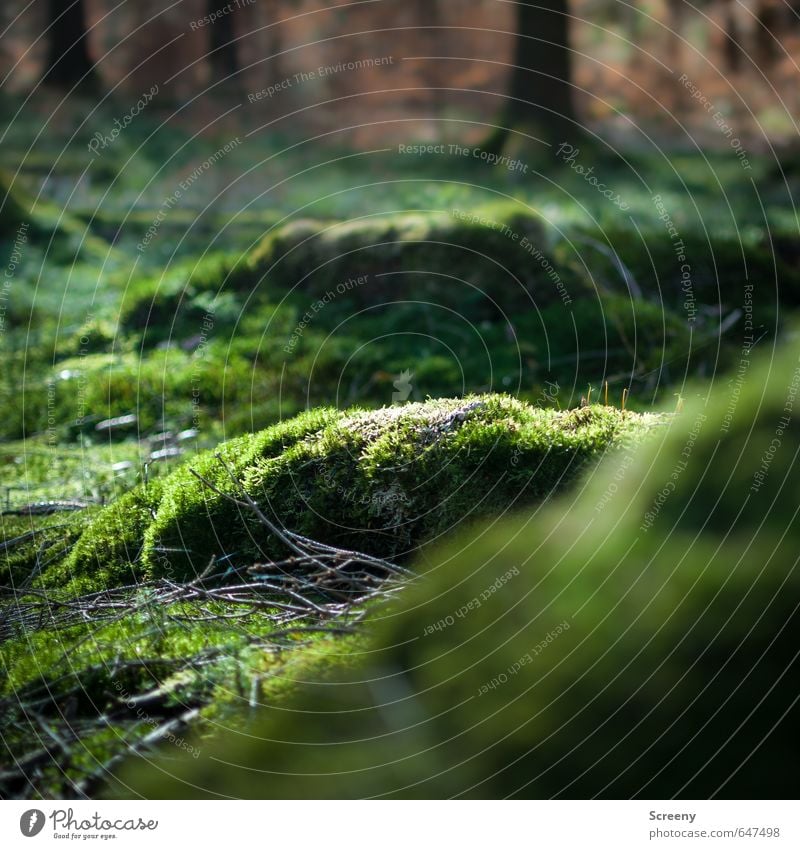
x=494, y=260
x=174, y=303
x=174, y=651
x=15, y=205
x=24, y=214
x=33, y=544
x=465, y=261
x=427, y=256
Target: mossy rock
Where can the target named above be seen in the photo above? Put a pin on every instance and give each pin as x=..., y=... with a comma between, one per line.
x=377, y=481
x=382, y=481
x=479, y=269
x=426, y=256
x=587, y=649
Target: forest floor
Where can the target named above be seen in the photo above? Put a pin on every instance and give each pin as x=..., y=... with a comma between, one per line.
x=151, y=318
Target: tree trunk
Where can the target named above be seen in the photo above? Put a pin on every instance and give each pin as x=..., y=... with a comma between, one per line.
x=68, y=61
x=733, y=39
x=767, y=35
x=222, y=56
x=676, y=24
x=540, y=93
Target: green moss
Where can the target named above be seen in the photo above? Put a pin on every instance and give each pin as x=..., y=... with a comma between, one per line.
x=96, y=336
x=173, y=650
x=496, y=255
x=386, y=480
x=15, y=205
x=426, y=256
x=611, y=334
x=378, y=481
x=108, y=552
x=175, y=303
x=46, y=223
x=192, y=522
x=33, y=544
x=173, y=385
x=720, y=266
x=438, y=256
x=586, y=649
x=37, y=471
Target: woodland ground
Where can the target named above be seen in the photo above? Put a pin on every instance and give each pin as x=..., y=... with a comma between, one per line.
x=315, y=282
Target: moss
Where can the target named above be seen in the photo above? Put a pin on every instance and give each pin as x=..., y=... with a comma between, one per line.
x=169, y=385
x=41, y=542
x=15, y=205
x=96, y=336
x=111, y=550
x=576, y=651
x=437, y=256
x=108, y=552
x=425, y=256
x=378, y=481
x=386, y=480
x=175, y=651
x=192, y=522
x=66, y=237
x=175, y=303
x=610, y=334
x=735, y=455
x=472, y=263
x=720, y=267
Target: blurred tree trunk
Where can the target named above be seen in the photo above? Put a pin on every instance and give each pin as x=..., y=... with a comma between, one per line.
x=540, y=93
x=222, y=55
x=269, y=20
x=427, y=15
x=68, y=61
x=770, y=17
x=677, y=25
x=733, y=39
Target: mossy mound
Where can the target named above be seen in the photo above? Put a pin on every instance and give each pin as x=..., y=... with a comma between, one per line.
x=487, y=264
x=461, y=260
x=26, y=216
x=174, y=303
x=724, y=268
x=638, y=640
x=116, y=546
x=378, y=481
x=475, y=264
x=256, y=371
